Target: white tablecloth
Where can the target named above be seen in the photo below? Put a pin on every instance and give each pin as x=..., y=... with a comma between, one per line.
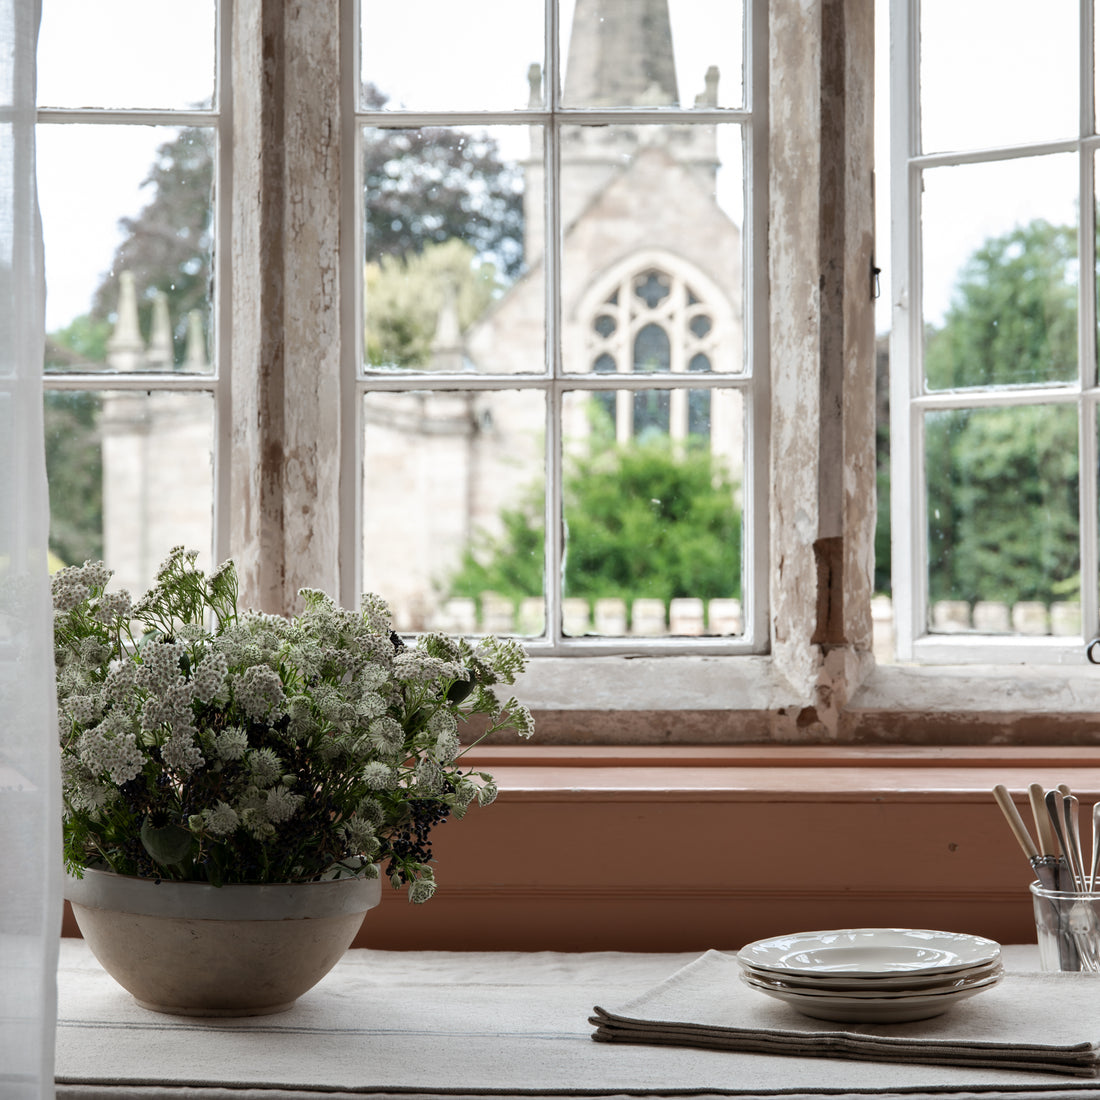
x=429, y=1024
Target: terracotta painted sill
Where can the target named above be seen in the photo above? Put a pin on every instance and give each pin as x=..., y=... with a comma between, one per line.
x=683, y=848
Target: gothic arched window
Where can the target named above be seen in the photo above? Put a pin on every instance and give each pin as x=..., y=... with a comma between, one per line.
x=654, y=322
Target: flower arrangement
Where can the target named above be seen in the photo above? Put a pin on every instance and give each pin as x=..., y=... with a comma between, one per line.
x=200, y=742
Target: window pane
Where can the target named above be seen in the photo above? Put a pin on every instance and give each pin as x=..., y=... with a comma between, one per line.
x=1000, y=273
x=629, y=53
x=445, y=215
x=439, y=55
x=130, y=476
x=665, y=203
x=453, y=508
x=992, y=73
x=128, y=246
x=653, y=533
x=126, y=53
x=1002, y=510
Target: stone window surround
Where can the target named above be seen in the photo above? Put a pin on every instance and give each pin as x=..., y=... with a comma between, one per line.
x=819, y=682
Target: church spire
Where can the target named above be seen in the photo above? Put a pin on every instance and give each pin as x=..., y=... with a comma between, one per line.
x=620, y=55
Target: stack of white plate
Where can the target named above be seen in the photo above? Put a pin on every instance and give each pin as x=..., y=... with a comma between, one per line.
x=872, y=975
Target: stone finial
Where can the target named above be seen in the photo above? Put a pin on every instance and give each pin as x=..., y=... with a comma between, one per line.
x=125, y=348
x=195, y=355
x=447, y=351
x=534, y=85
x=708, y=97
x=160, y=355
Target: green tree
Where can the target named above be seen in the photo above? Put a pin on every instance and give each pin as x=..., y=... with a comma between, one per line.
x=647, y=518
x=74, y=466
x=1002, y=482
x=168, y=246
x=421, y=187
x=433, y=184
x=1013, y=315
x=404, y=295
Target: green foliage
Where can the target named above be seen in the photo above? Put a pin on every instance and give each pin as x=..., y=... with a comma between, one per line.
x=1002, y=503
x=1013, y=317
x=403, y=296
x=648, y=519
x=168, y=246
x=1002, y=483
x=74, y=465
x=80, y=345
x=429, y=185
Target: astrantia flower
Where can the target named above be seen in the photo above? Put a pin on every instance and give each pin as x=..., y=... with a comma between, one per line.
x=421, y=890
x=221, y=820
x=265, y=766
x=231, y=743
x=378, y=776
x=281, y=804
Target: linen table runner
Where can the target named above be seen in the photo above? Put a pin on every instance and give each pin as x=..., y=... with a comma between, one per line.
x=1029, y=1021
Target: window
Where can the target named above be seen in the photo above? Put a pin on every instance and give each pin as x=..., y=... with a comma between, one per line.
x=993, y=349
x=573, y=228
x=129, y=151
x=494, y=221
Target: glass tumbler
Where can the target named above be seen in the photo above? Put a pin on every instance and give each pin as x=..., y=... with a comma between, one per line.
x=1067, y=927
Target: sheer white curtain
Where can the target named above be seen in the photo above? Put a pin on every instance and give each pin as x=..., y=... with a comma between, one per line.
x=30, y=846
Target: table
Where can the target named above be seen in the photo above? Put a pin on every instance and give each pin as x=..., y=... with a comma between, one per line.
x=456, y=1024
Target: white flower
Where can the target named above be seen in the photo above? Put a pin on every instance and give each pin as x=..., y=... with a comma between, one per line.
x=221, y=820
x=486, y=793
x=160, y=665
x=265, y=766
x=281, y=805
x=379, y=776
x=429, y=776
x=116, y=753
x=360, y=834
x=413, y=665
x=231, y=743
x=521, y=717
x=209, y=678
x=421, y=889
x=447, y=746
x=113, y=605
x=179, y=751
x=259, y=692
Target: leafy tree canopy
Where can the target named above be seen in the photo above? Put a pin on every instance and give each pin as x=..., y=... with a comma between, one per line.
x=421, y=187
x=403, y=297
x=433, y=184
x=643, y=519
x=1002, y=482
x=1013, y=316
x=75, y=468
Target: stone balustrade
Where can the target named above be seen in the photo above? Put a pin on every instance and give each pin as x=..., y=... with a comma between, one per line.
x=613, y=617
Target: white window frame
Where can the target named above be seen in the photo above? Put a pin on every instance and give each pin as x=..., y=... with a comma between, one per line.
x=909, y=402
x=752, y=380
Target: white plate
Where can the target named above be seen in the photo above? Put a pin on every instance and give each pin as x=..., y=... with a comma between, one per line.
x=896, y=1011
x=872, y=986
x=870, y=952
x=945, y=990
